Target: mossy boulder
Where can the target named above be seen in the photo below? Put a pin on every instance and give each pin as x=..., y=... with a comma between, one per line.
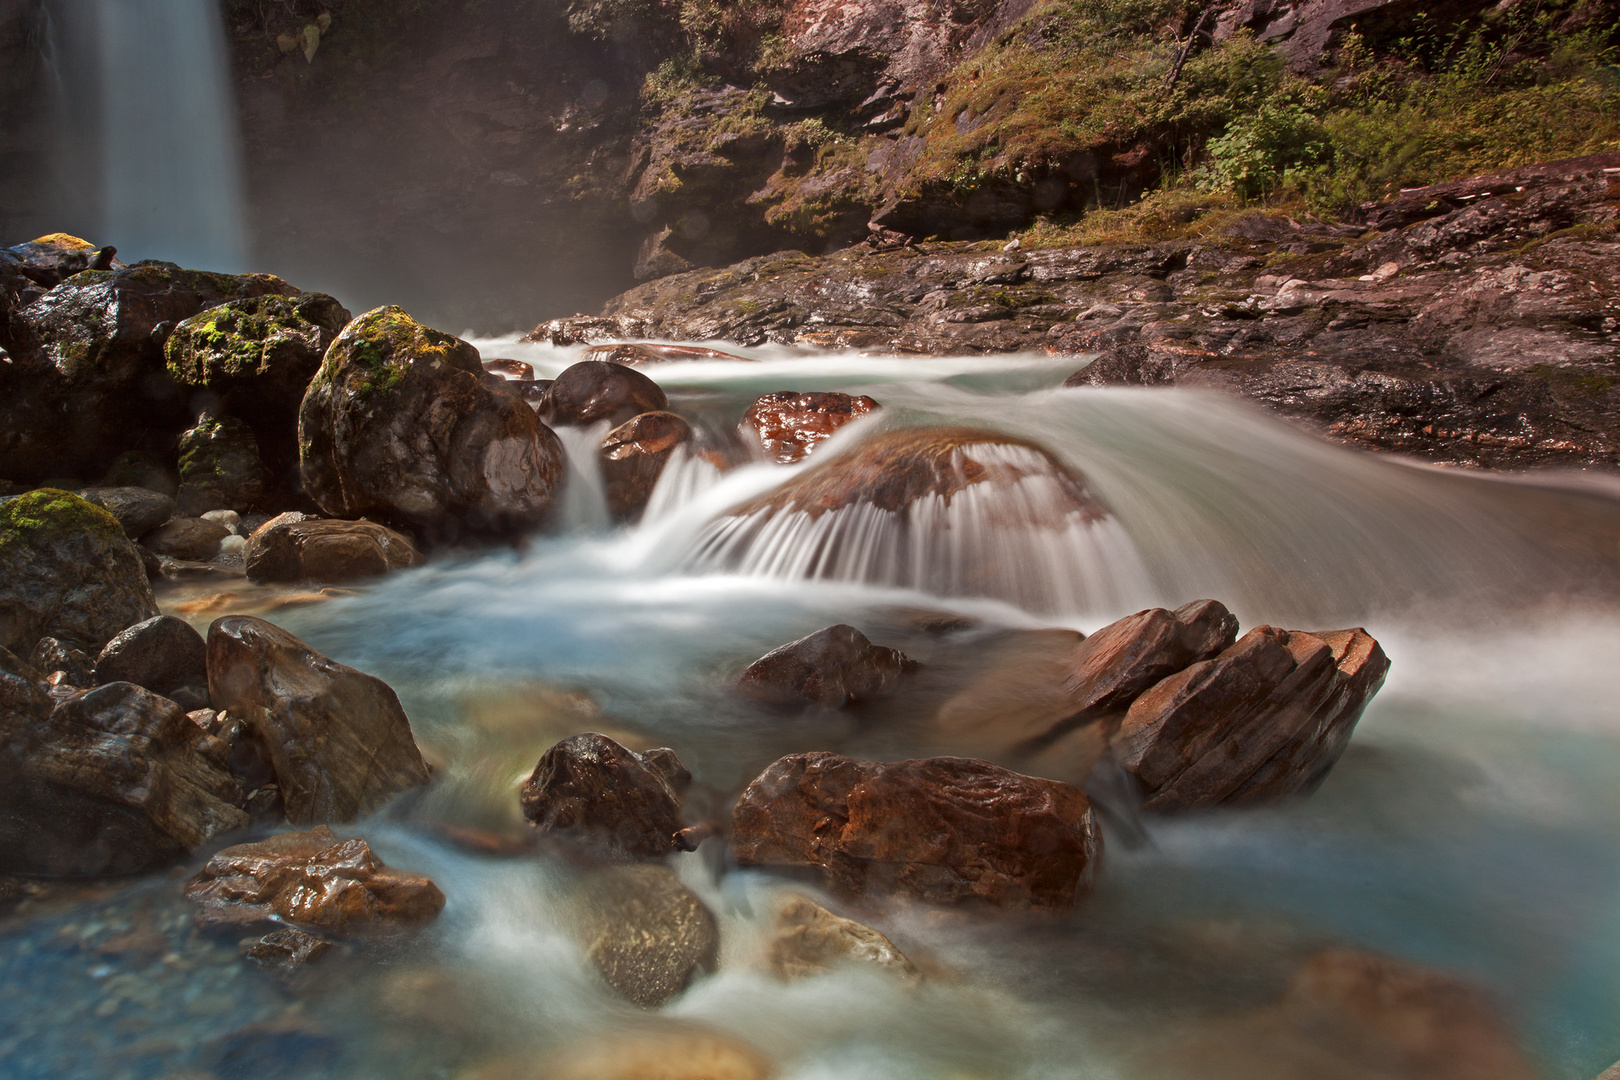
x=219, y=466
x=67, y=571
x=402, y=424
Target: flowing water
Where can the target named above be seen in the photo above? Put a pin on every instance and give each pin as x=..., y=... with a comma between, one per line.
x=1471, y=826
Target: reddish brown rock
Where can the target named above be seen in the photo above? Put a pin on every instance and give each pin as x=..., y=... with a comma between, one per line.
x=648, y=352
x=1264, y=719
x=293, y=547
x=787, y=425
x=591, y=791
x=314, y=881
x=338, y=740
x=192, y=538
x=633, y=458
x=514, y=370
x=942, y=830
x=830, y=668
x=594, y=390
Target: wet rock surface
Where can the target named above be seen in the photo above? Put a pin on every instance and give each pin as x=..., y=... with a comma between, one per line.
x=940, y=830
x=810, y=940
x=194, y=539
x=137, y=509
x=400, y=425
x=830, y=668
x=337, y=739
x=590, y=791
x=293, y=547
x=314, y=881
x=636, y=353
x=645, y=932
x=163, y=654
x=63, y=664
x=596, y=390
x=633, y=456
x=787, y=425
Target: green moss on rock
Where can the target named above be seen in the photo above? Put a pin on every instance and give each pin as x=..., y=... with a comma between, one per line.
x=48, y=513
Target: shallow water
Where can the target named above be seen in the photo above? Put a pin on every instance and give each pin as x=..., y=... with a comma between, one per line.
x=1471, y=825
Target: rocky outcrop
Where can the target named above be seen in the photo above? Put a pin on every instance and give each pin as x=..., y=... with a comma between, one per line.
x=809, y=940
x=633, y=457
x=105, y=781
x=830, y=668
x=590, y=791
x=646, y=933
x=293, y=547
x=337, y=739
x=1264, y=719
x=787, y=425
x=314, y=881
x=940, y=830
x=67, y=571
x=137, y=509
x=595, y=390
x=163, y=654
x=220, y=468
x=401, y=424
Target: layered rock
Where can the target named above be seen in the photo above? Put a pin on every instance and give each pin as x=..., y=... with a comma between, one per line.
x=595, y=390
x=646, y=933
x=940, y=830
x=787, y=425
x=67, y=571
x=337, y=739
x=220, y=468
x=292, y=547
x=314, y=881
x=830, y=668
x=589, y=790
x=400, y=425
x=633, y=456
x=106, y=781
x=163, y=654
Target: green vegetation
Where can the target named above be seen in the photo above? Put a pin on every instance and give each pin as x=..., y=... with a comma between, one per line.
x=48, y=513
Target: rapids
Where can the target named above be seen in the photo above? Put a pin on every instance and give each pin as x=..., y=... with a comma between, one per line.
x=1470, y=826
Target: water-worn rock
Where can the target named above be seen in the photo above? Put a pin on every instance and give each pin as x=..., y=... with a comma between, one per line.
x=400, y=425
x=107, y=781
x=942, y=830
x=220, y=467
x=635, y=353
x=591, y=791
x=192, y=538
x=292, y=547
x=137, y=509
x=808, y=939
x=67, y=571
x=648, y=934
x=1264, y=719
x=633, y=457
x=76, y=667
x=338, y=740
x=787, y=425
x=513, y=370
x=594, y=390
x=830, y=668
x=314, y=881
x=162, y=654
x=285, y=952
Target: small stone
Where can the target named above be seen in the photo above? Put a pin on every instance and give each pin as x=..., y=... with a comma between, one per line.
x=228, y=518
x=189, y=538
x=830, y=668
x=162, y=654
x=285, y=952
x=59, y=658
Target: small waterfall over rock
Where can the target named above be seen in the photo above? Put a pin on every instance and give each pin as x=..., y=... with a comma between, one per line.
x=148, y=157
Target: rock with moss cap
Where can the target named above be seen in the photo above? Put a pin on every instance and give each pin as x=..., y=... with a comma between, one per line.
x=67, y=571
x=402, y=424
x=220, y=467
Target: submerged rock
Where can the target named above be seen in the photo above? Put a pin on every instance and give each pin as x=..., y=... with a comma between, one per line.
x=1264, y=719
x=594, y=390
x=633, y=457
x=787, y=425
x=399, y=424
x=941, y=830
x=292, y=547
x=107, y=781
x=830, y=668
x=220, y=467
x=810, y=940
x=137, y=509
x=67, y=571
x=314, y=881
x=163, y=654
x=648, y=934
x=286, y=952
x=589, y=790
x=338, y=740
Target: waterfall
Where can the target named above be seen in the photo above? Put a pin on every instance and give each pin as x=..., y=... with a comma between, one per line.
x=147, y=157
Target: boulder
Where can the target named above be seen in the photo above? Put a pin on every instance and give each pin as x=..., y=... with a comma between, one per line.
x=1264, y=719
x=594, y=390
x=219, y=466
x=633, y=457
x=292, y=547
x=162, y=654
x=112, y=780
x=194, y=539
x=787, y=425
x=52, y=259
x=648, y=934
x=591, y=791
x=635, y=353
x=400, y=425
x=314, y=881
x=940, y=830
x=337, y=739
x=137, y=509
x=67, y=571
x=807, y=940
x=62, y=663
x=830, y=668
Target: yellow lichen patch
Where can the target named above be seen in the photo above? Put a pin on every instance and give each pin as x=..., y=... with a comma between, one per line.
x=63, y=241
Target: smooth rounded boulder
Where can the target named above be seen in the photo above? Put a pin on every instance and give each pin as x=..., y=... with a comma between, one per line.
x=337, y=738
x=590, y=791
x=646, y=933
x=162, y=654
x=137, y=509
x=786, y=426
x=67, y=571
x=596, y=390
x=633, y=456
x=399, y=425
x=293, y=547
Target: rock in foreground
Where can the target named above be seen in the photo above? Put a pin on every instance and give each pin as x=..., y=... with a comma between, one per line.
x=633, y=457
x=337, y=739
x=830, y=668
x=591, y=791
x=647, y=934
x=941, y=830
